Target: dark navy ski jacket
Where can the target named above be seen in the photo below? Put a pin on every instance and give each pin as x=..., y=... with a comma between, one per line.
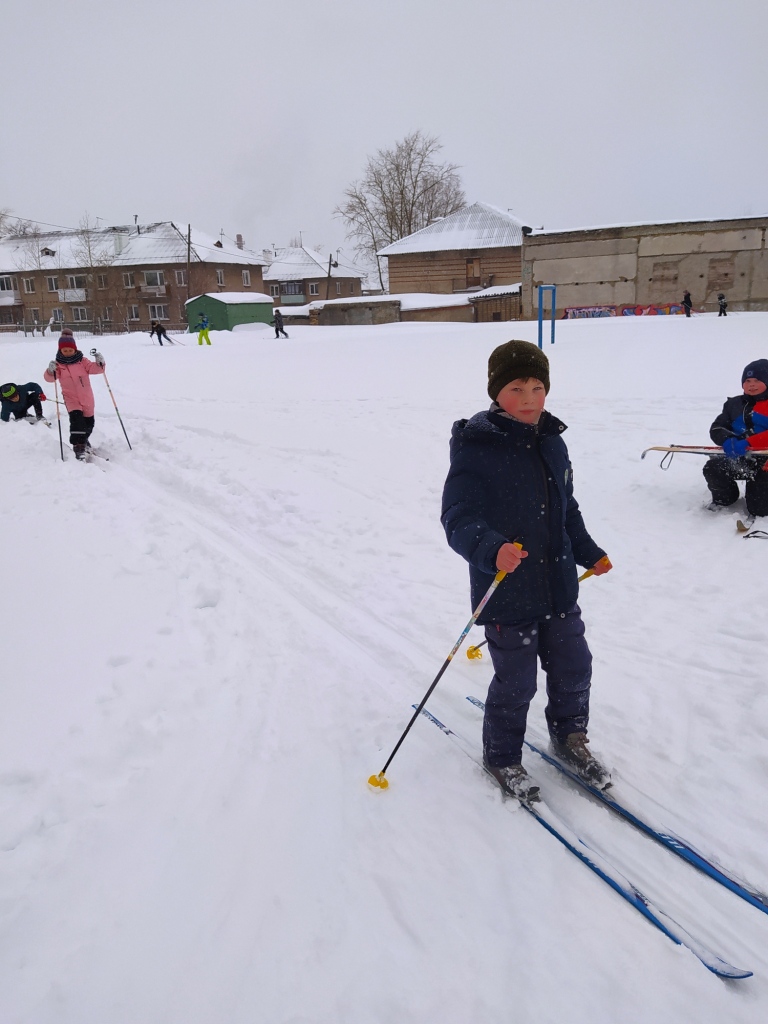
x=27, y=395
x=510, y=480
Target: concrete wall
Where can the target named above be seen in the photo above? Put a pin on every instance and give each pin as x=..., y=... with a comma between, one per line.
x=650, y=264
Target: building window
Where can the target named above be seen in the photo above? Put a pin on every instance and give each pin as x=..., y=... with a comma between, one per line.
x=181, y=277
x=246, y=279
x=7, y=284
x=220, y=278
x=101, y=281
x=106, y=313
x=128, y=281
x=313, y=289
x=29, y=285
x=274, y=290
x=290, y=287
x=80, y=314
x=352, y=288
x=158, y=312
x=76, y=281
x=36, y=315
x=133, y=311
x=154, y=278
x=57, y=315
x=338, y=287
x=53, y=284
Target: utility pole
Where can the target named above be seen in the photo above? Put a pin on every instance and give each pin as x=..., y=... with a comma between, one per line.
x=189, y=254
x=331, y=263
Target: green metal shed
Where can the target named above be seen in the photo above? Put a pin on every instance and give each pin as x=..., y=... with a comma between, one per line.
x=226, y=310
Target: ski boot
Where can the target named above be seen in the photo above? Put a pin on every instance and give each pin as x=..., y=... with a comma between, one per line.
x=80, y=452
x=574, y=752
x=516, y=781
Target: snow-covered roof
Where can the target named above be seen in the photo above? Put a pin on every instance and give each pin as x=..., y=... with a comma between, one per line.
x=407, y=300
x=118, y=246
x=497, y=289
x=300, y=263
x=539, y=232
x=479, y=226
x=235, y=298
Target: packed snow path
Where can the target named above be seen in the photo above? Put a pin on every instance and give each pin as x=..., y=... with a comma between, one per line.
x=209, y=644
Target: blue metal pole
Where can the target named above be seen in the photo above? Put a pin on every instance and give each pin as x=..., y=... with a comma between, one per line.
x=541, y=316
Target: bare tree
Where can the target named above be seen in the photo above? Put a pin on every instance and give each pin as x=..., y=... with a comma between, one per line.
x=401, y=191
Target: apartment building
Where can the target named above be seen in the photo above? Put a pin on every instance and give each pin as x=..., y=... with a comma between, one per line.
x=117, y=278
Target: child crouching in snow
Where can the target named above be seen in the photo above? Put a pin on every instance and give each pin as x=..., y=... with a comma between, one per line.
x=740, y=428
x=508, y=505
x=73, y=370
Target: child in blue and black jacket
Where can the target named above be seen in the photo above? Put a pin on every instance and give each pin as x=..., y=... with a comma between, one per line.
x=742, y=429
x=508, y=505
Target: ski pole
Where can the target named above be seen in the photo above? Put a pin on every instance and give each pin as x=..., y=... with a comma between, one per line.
x=58, y=417
x=379, y=780
x=591, y=572
x=106, y=381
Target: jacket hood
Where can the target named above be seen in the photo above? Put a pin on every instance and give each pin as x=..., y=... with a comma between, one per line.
x=492, y=424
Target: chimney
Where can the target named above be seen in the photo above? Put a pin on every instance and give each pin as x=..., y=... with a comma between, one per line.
x=239, y=241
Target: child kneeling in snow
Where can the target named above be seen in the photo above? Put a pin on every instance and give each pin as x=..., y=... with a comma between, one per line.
x=73, y=370
x=18, y=399
x=741, y=428
x=508, y=505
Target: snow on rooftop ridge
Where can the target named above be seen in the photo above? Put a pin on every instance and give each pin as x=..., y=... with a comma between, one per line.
x=479, y=226
x=538, y=232
x=235, y=298
x=296, y=263
x=117, y=246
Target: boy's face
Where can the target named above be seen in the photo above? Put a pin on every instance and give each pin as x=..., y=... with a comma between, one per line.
x=523, y=399
x=753, y=386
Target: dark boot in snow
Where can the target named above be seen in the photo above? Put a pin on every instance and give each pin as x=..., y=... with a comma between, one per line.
x=516, y=781
x=79, y=450
x=575, y=753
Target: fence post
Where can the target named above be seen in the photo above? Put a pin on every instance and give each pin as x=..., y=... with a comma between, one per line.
x=553, y=291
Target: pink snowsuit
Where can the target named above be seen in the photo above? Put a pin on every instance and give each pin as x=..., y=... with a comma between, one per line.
x=75, y=384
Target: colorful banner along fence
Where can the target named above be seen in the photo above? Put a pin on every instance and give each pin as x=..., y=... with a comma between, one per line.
x=668, y=309
x=589, y=312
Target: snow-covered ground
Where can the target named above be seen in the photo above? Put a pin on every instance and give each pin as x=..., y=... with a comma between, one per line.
x=210, y=642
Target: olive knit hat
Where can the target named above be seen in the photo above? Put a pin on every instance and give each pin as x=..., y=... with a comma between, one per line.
x=516, y=359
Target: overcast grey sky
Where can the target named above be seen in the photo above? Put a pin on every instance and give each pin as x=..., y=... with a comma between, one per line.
x=252, y=116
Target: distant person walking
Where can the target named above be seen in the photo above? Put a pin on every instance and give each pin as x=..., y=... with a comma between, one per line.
x=158, y=329
x=722, y=305
x=202, y=329
x=687, y=303
x=278, y=322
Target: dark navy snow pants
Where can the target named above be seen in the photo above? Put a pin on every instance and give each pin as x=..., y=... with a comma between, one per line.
x=559, y=643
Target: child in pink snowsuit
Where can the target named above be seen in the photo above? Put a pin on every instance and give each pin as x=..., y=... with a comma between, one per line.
x=72, y=370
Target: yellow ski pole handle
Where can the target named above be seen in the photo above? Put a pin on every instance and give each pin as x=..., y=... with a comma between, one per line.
x=380, y=781
x=591, y=572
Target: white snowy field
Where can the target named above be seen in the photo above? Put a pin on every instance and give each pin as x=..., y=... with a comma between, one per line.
x=210, y=642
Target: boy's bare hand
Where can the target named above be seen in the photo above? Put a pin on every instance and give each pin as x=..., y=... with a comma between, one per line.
x=602, y=566
x=509, y=556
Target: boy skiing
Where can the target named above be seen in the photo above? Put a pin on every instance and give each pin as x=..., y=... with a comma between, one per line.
x=19, y=398
x=73, y=371
x=156, y=328
x=202, y=329
x=742, y=427
x=279, y=326
x=508, y=505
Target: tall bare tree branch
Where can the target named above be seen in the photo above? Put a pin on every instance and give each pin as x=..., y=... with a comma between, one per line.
x=401, y=191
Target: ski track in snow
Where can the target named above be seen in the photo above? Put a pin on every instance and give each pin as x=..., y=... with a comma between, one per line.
x=211, y=641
